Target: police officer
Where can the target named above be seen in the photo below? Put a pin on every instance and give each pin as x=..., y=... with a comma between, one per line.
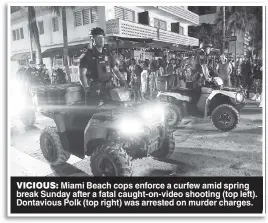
x=97, y=67
x=31, y=74
x=20, y=73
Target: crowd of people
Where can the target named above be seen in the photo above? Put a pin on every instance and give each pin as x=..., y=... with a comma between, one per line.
x=142, y=75
x=246, y=72
x=40, y=75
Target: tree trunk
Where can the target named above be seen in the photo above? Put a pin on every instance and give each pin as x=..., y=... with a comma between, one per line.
x=223, y=28
x=34, y=31
x=31, y=42
x=65, y=44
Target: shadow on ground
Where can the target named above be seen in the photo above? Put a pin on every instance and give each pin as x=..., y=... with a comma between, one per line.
x=251, y=111
x=179, y=168
x=257, y=131
x=67, y=169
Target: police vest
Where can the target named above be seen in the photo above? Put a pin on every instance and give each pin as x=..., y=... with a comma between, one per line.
x=99, y=67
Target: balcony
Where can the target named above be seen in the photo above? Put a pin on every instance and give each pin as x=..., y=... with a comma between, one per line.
x=122, y=28
x=175, y=12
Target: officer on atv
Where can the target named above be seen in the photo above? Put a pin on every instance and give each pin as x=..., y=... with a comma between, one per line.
x=97, y=68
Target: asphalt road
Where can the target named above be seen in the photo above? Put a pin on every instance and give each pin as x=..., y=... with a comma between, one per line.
x=201, y=150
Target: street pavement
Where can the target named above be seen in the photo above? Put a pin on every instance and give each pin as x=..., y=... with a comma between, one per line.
x=201, y=150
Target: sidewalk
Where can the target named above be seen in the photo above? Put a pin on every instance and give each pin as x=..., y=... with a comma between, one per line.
x=22, y=164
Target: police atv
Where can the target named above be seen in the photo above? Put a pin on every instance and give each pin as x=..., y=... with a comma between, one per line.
x=113, y=134
x=221, y=104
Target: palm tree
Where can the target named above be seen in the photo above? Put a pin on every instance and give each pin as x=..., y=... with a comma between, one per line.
x=34, y=31
x=219, y=19
x=206, y=33
x=241, y=20
x=257, y=34
x=200, y=32
x=237, y=18
x=62, y=10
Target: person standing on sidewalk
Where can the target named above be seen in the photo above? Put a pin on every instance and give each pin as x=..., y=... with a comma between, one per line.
x=144, y=79
x=224, y=69
x=246, y=71
x=153, y=76
x=135, y=80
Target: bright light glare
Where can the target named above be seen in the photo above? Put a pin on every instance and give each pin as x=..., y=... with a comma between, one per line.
x=15, y=84
x=16, y=106
x=16, y=99
x=239, y=97
x=154, y=111
x=130, y=126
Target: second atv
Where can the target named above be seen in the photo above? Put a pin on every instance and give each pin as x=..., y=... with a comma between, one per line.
x=221, y=104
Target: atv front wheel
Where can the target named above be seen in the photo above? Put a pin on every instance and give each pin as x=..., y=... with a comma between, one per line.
x=28, y=118
x=110, y=160
x=225, y=117
x=173, y=115
x=52, y=148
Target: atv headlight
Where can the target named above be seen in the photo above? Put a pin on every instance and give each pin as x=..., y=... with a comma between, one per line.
x=130, y=126
x=239, y=97
x=153, y=112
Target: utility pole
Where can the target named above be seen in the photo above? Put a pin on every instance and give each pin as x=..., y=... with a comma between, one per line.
x=223, y=28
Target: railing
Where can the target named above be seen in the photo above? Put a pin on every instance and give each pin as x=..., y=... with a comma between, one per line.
x=171, y=37
x=130, y=29
x=181, y=12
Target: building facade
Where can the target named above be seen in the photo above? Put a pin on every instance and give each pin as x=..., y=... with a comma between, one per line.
x=167, y=24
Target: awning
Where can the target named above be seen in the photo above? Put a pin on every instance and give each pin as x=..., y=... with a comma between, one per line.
x=58, y=51
x=213, y=51
x=135, y=40
x=130, y=39
x=114, y=42
x=52, y=52
x=21, y=56
x=170, y=46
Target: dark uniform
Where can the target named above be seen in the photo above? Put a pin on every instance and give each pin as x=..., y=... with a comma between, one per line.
x=44, y=75
x=20, y=74
x=32, y=76
x=99, y=75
